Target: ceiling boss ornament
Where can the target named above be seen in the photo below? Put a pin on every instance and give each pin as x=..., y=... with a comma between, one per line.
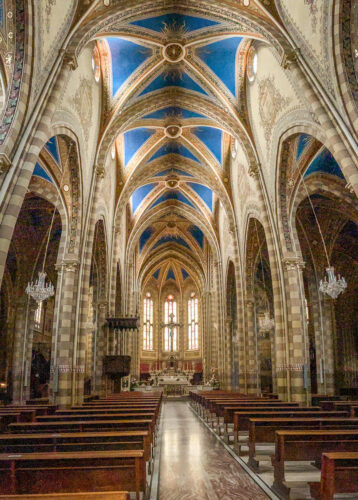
x=174, y=52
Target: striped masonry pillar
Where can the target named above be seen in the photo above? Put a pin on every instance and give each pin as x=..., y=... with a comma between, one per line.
x=22, y=352
x=62, y=351
x=297, y=331
x=99, y=386
x=251, y=348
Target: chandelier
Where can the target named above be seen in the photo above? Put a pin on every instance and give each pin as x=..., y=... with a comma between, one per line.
x=267, y=323
x=333, y=286
x=40, y=290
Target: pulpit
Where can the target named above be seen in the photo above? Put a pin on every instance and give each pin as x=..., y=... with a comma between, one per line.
x=117, y=367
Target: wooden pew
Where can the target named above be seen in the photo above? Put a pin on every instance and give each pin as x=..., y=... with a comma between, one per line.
x=220, y=409
x=103, y=495
x=97, y=416
x=339, y=474
x=242, y=418
x=72, y=441
x=82, y=426
x=262, y=430
x=307, y=445
x=317, y=398
x=8, y=418
x=26, y=415
x=40, y=409
x=73, y=472
x=226, y=413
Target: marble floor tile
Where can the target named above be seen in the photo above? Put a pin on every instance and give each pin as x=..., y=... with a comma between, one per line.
x=194, y=465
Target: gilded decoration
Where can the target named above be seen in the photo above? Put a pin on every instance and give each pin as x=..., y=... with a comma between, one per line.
x=83, y=104
x=271, y=104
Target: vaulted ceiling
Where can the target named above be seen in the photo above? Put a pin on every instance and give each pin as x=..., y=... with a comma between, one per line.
x=174, y=94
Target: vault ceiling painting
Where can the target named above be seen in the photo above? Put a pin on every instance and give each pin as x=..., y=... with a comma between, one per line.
x=173, y=70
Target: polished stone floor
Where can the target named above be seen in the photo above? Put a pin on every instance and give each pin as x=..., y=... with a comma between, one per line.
x=194, y=465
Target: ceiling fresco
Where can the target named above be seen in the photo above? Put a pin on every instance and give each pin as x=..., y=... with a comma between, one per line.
x=175, y=70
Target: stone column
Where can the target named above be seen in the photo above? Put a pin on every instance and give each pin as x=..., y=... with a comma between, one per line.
x=297, y=330
x=22, y=355
x=251, y=348
x=62, y=340
x=99, y=386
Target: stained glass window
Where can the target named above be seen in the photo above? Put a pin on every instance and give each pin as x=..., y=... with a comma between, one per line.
x=148, y=323
x=38, y=316
x=193, y=323
x=170, y=316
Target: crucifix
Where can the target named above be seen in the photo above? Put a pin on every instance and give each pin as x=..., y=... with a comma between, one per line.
x=171, y=325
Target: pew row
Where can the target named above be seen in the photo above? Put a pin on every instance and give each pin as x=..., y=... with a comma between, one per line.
x=73, y=472
x=307, y=445
x=339, y=474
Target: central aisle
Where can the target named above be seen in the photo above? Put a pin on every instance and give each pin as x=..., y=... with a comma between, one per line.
x=194, y=465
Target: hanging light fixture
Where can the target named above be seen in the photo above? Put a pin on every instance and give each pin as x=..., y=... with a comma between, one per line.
x=40, y=290
x=332, y=286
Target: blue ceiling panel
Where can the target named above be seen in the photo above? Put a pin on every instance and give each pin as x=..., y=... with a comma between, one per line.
x=175, y=112
x=139, y=195
x=52, y=147
x=171, y=239
x=197, y=233
x=324, y=162
x=212, y=138
x=174, y=21
x=302, y=142
x=184, y=274
x=173, y=194
x=204, y=192
x=134, y=140
x=40, y=172
x=156, y=274
x=173, y=79
x=170, y=275
x=173, y=171
x=174, y=148
x=144, y=237
x=221, y=59
x=127, y=56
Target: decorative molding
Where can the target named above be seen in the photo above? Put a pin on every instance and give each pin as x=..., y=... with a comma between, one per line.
x=5, y=164
x=271, y=104
x=100, y=171
x=293, y=263
x=290, y=58
x=70, y=60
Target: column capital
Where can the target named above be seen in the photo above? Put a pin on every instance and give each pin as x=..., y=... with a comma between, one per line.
x=290, y=58
x=69, y=60
x=68, y=265
x=293, y=263
x=254, y=169
x=5, y=164
x=100, y=171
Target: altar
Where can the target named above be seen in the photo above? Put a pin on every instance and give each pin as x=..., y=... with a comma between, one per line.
x=173, y=380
